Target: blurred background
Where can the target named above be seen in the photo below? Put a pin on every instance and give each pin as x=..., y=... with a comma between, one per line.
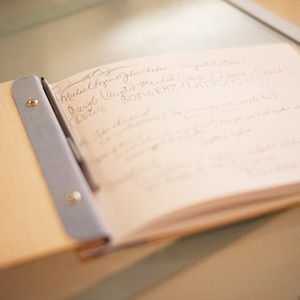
x=58, y=38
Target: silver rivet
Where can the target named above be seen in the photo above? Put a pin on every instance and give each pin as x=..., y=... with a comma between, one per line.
x=32, y=102
x=73, y=197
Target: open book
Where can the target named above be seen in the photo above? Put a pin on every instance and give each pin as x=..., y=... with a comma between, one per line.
x=185, y=142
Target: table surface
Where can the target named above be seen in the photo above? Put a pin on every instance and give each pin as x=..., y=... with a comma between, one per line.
x=258, y=259
x=64, y=37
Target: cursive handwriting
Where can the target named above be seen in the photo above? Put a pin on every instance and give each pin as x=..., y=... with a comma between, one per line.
x=153, y=122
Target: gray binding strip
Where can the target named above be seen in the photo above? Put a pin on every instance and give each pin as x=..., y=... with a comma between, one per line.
x=71, y=194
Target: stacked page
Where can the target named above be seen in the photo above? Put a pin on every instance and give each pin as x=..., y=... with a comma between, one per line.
x=188, y=141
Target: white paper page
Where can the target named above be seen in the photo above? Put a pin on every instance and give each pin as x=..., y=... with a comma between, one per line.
x=166, y=132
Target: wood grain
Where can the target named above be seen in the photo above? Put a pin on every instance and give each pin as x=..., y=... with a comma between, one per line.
x=30, y=227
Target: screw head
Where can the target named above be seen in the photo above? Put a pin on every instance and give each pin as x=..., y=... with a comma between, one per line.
x=73, y=197
x=32, y=102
